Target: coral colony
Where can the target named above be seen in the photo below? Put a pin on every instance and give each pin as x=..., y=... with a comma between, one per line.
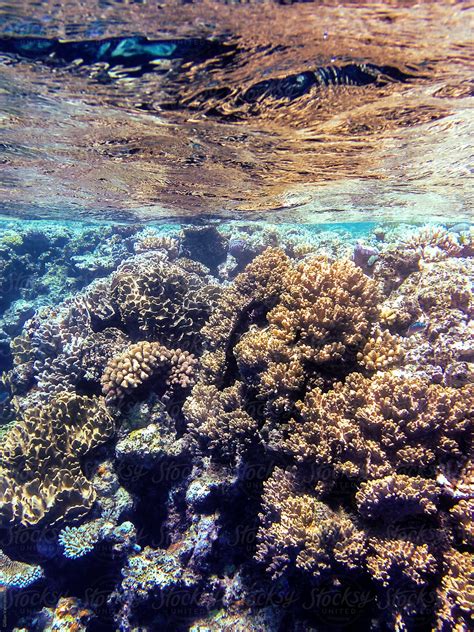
x=244, y=428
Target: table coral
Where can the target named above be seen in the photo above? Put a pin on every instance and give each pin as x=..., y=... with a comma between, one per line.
x=15, y=574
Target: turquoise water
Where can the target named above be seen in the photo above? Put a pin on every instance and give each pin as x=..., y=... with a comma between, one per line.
x=236, y=317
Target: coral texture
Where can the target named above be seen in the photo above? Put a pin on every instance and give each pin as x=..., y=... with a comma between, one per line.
x=40, y=460
x=240, y=427
x=139, y=362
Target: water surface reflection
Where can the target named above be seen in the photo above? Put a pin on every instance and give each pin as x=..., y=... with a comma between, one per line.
x=181, y=136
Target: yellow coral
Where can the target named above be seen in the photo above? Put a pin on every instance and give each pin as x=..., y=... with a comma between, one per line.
x=41, y=478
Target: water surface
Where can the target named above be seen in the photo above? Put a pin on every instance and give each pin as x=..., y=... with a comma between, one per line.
x=179, y=139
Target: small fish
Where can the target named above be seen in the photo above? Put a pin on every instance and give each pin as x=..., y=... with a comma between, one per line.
x=416, y=327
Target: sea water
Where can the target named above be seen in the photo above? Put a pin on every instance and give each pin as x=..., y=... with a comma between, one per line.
x=236, y=316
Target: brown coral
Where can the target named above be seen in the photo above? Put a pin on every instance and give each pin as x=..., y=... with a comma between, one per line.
x=371, y=428
x=217, y=421
x=139, y=362
x=463, y=518
x=395, y=497
x=41, y=479
x=381, y=351
x=297, y=529
x=163, y=300
x=169, y=245
x=456, y=594
x=390, y=559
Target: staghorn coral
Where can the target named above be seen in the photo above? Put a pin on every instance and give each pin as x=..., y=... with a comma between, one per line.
x=15, y=574
x=41, y=479
x=139, y=362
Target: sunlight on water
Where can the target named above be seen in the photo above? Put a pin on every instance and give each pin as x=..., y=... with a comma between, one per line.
x=244, y=118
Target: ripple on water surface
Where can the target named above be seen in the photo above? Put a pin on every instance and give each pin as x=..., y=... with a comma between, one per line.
x=315, y=112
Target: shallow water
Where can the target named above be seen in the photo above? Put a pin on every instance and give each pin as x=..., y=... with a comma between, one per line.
x=236, y=316
x=178, y=139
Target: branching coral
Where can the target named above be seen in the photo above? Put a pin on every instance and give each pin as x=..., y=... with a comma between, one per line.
x=41, y=479
x=299, y=530
x=435, y=307
x=395, y=497
x=278, y=326
x=17, y=574
x=390, y=561
x=381, y=351
x=371, y=428
x=340, y=463
x=139, y=362
x=323, y=315
x=456, y=594
x=167, y=244
x=433, y=243
x=218, y=422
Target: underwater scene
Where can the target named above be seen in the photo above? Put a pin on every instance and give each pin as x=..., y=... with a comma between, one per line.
x=236, y=316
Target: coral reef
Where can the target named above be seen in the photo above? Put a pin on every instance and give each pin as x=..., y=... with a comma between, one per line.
x=238, y=427
x=40, y=468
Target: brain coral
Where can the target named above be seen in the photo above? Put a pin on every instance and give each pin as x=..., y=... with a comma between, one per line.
x=41, y=479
